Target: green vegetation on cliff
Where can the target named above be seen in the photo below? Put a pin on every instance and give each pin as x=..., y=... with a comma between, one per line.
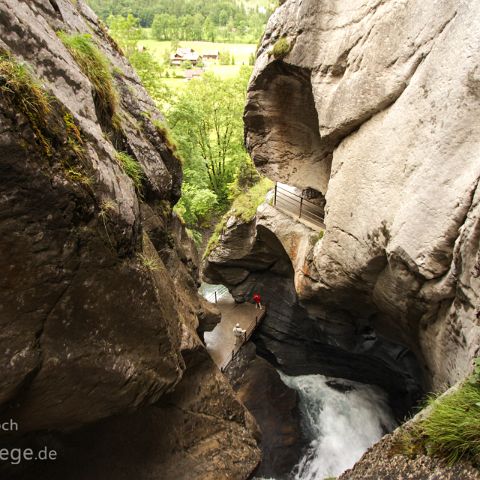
x=97, y=69
x=451, y=429
x=131, y=167
x=281, y=48
x=244, y=207
x=19, y=86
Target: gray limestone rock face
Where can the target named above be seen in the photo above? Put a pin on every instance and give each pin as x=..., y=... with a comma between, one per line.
x=376, y=106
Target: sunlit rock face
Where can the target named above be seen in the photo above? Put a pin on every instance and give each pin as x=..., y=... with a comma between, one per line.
x=98, y=306
x=376, y=106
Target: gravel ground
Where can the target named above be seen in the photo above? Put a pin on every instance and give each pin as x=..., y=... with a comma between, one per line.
x=382, y=463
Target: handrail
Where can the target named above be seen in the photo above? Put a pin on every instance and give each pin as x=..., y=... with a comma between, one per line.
x=304, y=212
x=296, y=202
x=247, y=335
x=213, y=297
x=290, y=193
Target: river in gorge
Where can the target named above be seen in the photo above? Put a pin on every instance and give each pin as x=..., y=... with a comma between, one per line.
x=340, y=419
x=340, y=422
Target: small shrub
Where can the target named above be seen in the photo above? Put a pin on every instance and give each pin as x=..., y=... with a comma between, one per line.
x=246, y=177
x=24, y=92
x=244, y=207
x=97, y=69
x=281, y=48
x=314, y=239
x=132, y=168
x=148, y=262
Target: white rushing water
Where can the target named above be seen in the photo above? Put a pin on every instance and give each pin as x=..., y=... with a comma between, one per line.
x=340, y=426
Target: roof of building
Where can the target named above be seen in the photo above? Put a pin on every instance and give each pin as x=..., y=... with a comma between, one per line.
x=211, y=53
x=185, y=54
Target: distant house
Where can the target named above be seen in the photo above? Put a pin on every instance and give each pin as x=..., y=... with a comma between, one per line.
x=211, y=55
x=193, y=73
x=184, y=55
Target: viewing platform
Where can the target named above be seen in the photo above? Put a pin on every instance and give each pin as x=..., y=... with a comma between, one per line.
x=220, y=342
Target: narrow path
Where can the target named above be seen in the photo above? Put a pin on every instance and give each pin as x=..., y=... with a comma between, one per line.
x=221, y=341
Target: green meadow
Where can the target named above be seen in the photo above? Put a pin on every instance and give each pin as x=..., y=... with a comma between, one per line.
x=240, y=51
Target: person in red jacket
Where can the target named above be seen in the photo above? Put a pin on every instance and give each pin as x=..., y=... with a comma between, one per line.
x=257, y=299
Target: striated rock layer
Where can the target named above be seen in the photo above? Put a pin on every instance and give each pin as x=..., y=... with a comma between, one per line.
x=376, y=106
x=98, y=305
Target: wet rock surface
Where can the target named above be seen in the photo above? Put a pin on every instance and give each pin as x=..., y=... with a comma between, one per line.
x=198, y=431
x=275, y=408
x=99, y=311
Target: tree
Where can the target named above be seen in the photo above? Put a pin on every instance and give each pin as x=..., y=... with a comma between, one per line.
x=209, y=30
x=207, y=124
x=126, y=31
x=150, y=73
x=187, y=19
x=224, y=58
x=160, y=27
x=197, y=205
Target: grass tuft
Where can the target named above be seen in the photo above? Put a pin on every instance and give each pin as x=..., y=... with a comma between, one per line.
x=132, y=168
x=281, y=48
x=96, y=67
x=166, y=135
x=451, y=430
x=148, y=262
x=25, y=93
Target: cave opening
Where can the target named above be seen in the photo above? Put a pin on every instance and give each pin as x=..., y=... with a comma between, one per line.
x=282, y=128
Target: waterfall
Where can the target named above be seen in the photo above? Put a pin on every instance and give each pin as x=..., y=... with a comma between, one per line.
x=340, y=423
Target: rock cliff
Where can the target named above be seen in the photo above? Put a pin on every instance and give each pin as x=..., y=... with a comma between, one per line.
x=273, y=254
x=98, y=306
x=374, y=104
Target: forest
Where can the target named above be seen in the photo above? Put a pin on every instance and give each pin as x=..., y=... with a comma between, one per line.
x=209, y=20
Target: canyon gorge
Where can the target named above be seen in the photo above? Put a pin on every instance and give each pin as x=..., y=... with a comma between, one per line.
x=369, y=108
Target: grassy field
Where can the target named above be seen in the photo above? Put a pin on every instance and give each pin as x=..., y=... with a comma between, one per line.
x=240, y=51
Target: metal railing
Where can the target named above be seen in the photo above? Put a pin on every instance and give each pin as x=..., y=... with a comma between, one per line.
x=291, y=202
x=218, y=293
x=246, y=337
